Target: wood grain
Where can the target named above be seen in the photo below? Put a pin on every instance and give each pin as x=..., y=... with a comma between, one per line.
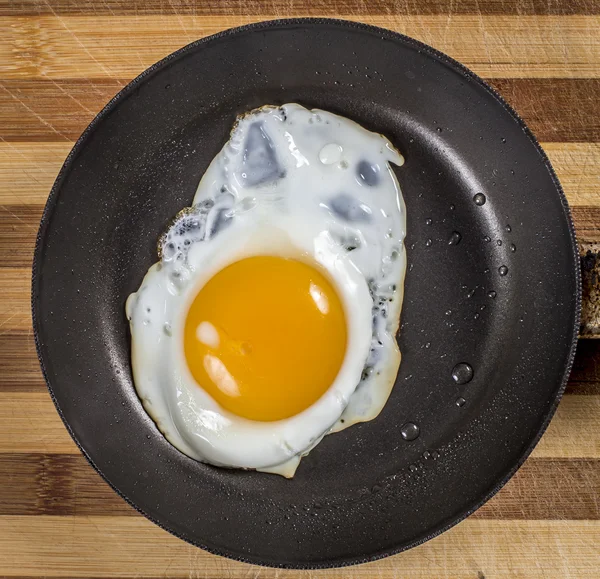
x=61, y=61
x=48, y=110
x=28, y=171
x=62, y=484
x=29, y=423
x=18, y=226
x=18, y=229
x=15, y=305
x=571, y=102
x=68, y=546
x=282, y=8
x=578, y=168
x=59, y=484
x=59, y=110
x=588, y=222
x=569, y=434
x=585, y=375
x=20, y=369
x=19, y=366
x=122, y=47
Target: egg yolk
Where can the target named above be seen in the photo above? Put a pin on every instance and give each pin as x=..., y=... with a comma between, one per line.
x=266, y=337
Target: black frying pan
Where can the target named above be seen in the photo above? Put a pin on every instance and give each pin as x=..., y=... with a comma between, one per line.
x=366, y=492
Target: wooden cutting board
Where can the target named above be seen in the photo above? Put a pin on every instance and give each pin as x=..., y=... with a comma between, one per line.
x=61, y=61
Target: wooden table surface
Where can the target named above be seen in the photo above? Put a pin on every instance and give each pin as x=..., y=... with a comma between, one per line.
x=61, y=61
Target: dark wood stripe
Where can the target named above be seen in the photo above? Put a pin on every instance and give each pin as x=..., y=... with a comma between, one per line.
x=555, y=109
x=585, y=375
x=58, y=110
x=48, y=110
x=48, y=484
x=20, y=369
x=54, y=484
x=282, y=8
x=18, y=227
x=19, y=366
x=587, y=221
x=19, y=224
x=543, y=489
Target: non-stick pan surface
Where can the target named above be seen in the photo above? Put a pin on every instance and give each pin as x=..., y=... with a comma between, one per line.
x=366, y=492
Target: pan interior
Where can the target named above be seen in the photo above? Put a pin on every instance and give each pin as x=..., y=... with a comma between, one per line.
x=492, y=285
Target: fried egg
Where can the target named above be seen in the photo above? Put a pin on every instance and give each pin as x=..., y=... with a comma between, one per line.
x=270, y=319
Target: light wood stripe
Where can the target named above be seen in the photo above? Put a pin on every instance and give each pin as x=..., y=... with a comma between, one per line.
x=134, y=547
x=61, y=484
x=15, y=305
x=28, y=171
x=122, y=47
x=534, y=70
x=578, y=168
x=283, y=8
x=569, y=434
x=29, y=423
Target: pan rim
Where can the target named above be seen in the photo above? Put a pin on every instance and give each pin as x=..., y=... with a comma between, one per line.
x=285, y=24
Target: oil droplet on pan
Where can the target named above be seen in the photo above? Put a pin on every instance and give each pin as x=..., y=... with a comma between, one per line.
x=479, y=199
x=462, y=373
x=455, y=238
x=410, y=431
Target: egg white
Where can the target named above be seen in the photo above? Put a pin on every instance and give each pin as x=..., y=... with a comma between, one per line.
x=294, y=183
